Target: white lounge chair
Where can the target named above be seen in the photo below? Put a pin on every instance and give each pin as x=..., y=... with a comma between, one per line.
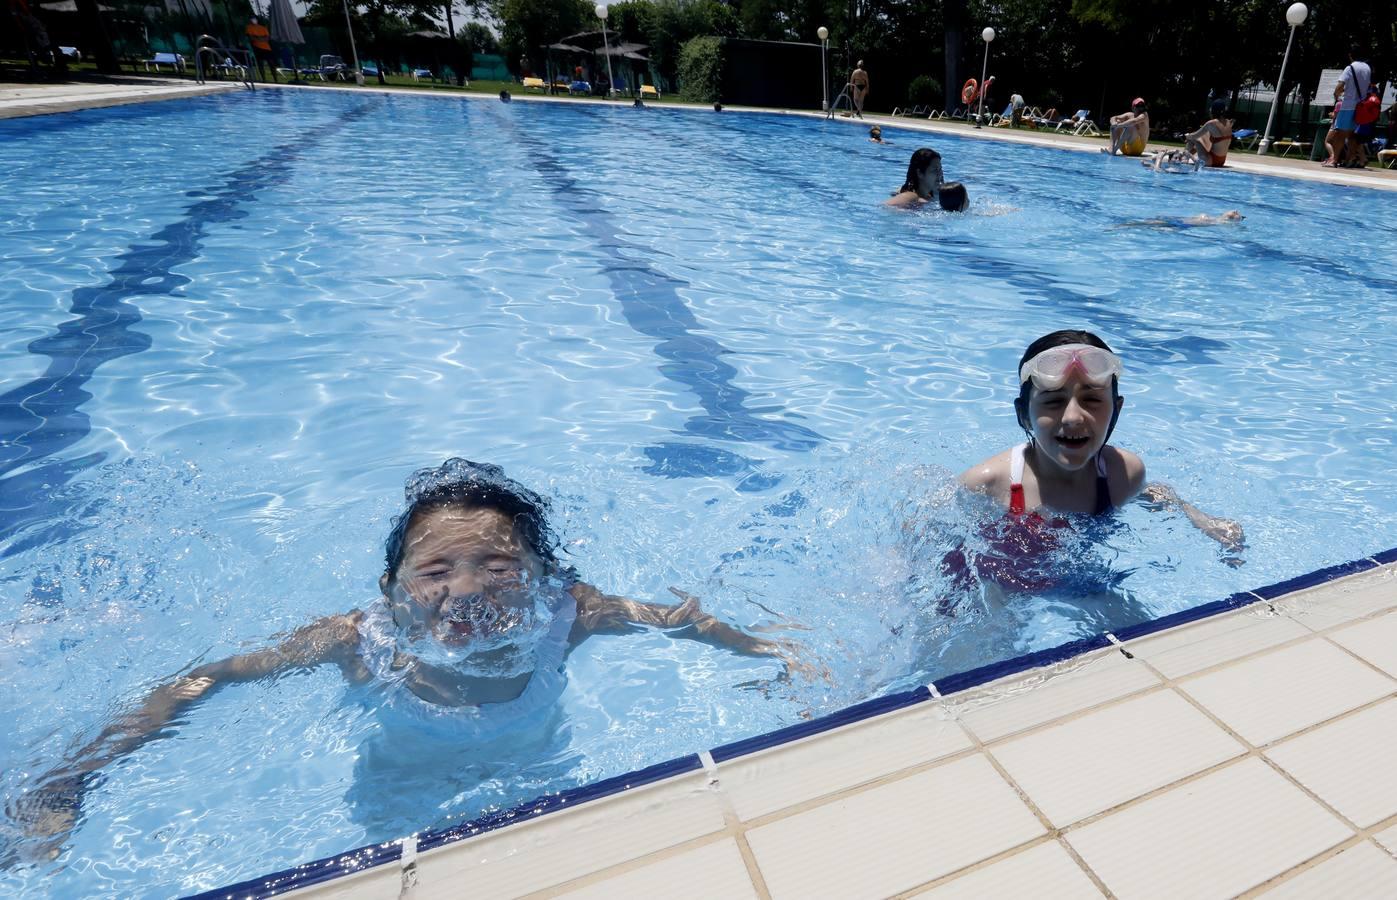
x=173, y=60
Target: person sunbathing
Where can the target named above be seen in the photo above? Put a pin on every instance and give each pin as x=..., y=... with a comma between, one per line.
x=1210, y=142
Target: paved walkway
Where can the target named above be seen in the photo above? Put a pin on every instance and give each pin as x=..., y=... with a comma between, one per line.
x=44, y=99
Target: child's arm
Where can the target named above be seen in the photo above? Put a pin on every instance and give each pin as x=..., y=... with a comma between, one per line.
x=50, y=811
x=599, y=613
x=1226, y=532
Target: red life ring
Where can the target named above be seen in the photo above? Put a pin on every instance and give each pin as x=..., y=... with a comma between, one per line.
x=967, y=90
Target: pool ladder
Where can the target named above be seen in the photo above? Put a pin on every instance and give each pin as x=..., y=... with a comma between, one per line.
x=847, y=98
x=224, y=58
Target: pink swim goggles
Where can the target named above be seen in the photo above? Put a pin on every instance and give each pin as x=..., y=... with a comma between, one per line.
x=1051, y=368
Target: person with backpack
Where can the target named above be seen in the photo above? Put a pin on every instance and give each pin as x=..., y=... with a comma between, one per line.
x=1357, y=78
x=1365, y=125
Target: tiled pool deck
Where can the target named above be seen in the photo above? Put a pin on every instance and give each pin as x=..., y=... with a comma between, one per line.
x=1250, y=751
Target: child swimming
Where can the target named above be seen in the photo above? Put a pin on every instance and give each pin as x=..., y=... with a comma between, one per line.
x=476, y=619
x=1068, y=405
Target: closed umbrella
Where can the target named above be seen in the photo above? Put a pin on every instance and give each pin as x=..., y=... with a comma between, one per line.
x=284, y=28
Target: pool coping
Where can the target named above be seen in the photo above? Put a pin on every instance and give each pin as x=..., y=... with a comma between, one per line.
x=148, y=89
x=371, y=857
x=51, y=99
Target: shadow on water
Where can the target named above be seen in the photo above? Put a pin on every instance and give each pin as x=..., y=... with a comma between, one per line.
x=44, y=416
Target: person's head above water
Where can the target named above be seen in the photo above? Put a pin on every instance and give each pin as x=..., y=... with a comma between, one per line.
x=923, y=172
x=953, y=197
x=1069, y=395
x=876, y=133
x=465, y=557
x=1232, y=215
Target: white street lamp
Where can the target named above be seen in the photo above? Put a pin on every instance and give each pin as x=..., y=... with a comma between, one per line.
x=353, y=51
x=987, y=35
x=611, y=82
x=823, y=32
x=1295, y=15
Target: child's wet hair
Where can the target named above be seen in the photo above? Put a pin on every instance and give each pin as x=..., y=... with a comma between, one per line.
x=953, y=197
x=1047, y=342
x=463, y=484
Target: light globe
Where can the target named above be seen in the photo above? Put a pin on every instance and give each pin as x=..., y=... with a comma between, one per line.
x=823, y=32
x=988, y=33
x=1296, y=14
x=601, y=11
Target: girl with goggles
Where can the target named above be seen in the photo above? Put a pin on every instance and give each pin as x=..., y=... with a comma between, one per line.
x=1068, y=404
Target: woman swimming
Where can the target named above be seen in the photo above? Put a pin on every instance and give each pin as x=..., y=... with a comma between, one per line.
x=925, y=182
x=476, y=618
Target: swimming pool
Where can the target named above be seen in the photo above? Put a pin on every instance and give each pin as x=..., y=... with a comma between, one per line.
x=235, y=324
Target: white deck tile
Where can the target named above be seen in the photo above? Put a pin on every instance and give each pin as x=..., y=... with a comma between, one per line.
x=383, y=882
x=1099, y=760
x=1351, y=598
x=896, y=836
x=1186, y=650
x=1375, y=640
x=830, y=762
x=1283, y=691
x=1350, y=764
x=1388, y=839
x=1045, y=872
x=1215, y=837
x=1362, y=872
x=713, y=870
x=534, y=855
x=1013, y=705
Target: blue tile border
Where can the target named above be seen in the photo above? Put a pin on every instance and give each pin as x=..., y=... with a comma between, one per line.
x=380, y=854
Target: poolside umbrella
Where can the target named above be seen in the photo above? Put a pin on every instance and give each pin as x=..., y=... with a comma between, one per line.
x=284, y=28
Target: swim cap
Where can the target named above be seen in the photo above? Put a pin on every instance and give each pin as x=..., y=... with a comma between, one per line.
x=1138, y=101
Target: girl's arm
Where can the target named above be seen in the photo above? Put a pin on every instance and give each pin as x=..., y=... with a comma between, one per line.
x=50, y=810
x=599, y=613
x=1226, y=532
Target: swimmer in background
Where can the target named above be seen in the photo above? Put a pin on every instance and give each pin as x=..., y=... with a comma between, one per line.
x=926, y=182
x=476, y=619
x=1068, y=405
x=875, y=134
x=1231, y=217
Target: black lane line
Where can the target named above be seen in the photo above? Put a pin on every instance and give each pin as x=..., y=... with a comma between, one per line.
x=44, y=416
x=651, y=305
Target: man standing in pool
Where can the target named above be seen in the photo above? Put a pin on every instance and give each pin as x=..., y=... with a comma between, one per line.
x=476, y=619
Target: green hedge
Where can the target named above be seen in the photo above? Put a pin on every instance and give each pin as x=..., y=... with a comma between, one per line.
x=701, y=69
x=924, y=91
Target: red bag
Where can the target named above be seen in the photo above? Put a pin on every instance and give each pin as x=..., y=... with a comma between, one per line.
x=1368, y=110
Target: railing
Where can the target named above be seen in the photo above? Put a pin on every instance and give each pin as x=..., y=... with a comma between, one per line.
x=224, y=59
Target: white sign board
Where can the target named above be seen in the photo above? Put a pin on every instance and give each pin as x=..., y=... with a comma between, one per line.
x=1324, y=91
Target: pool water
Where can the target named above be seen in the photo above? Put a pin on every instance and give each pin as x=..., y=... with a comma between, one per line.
x=232, y=326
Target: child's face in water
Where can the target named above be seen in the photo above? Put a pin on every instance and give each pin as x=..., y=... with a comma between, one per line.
x=465, y=574
x=1070, y=424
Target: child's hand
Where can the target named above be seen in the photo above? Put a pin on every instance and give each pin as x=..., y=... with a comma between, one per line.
x=689, y=612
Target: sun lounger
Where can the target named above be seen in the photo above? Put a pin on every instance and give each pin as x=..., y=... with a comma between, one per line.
x=1290, y=145
x=1387, y=158
x=535, y=84
x=1245, y=138
x=649, y=90
x=173, y=60
x=580, y=88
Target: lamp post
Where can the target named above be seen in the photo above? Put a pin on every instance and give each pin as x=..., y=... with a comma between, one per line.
x=987, y=35
x=353, y=51
x=610, y=82
x=823, y=32
x=1295, y=15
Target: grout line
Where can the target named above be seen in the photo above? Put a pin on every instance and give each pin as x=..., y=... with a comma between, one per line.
x=1317, y=860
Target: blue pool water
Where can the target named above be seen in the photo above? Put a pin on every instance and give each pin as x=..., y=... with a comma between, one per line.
x=230, y=328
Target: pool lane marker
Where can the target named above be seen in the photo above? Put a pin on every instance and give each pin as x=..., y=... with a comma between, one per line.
x=651, y=305
x=44, y=416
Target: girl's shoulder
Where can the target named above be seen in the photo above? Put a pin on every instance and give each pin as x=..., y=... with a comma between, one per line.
x=1125, y=471
x=990, y=476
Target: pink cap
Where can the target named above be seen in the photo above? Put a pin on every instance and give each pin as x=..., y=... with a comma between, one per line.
x=1138, y=101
